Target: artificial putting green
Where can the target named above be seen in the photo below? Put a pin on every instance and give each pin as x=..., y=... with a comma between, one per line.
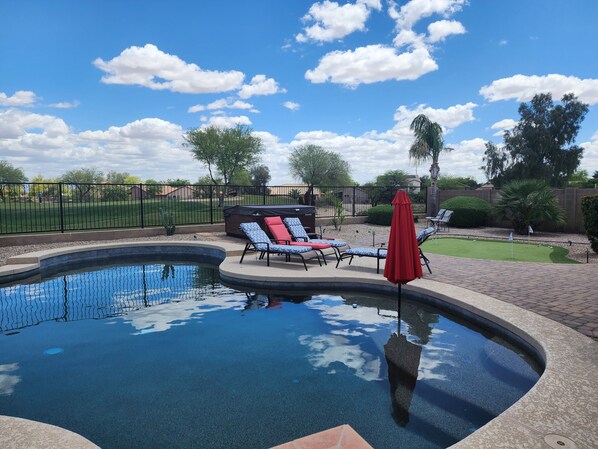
x=496, y=250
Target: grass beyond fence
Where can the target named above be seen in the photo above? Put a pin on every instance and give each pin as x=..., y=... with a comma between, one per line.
x=60, y=207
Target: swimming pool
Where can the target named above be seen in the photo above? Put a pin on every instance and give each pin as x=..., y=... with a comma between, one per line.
x=164, y=355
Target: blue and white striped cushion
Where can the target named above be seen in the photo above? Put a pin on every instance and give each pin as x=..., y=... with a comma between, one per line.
x=298, y=232
x=260, y=240
x=371, y=252
x=335, y=243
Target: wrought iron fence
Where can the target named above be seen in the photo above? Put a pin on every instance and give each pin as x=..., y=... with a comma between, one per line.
x=65, y=207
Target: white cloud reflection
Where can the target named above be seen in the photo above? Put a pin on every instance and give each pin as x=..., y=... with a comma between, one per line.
x=8, y=381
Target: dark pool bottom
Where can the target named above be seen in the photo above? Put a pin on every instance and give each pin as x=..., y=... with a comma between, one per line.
x=163, y=355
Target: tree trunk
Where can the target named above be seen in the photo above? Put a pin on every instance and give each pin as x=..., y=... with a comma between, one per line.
x=434, y=171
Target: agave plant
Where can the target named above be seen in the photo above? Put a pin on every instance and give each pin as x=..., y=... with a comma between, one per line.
x=528, y=203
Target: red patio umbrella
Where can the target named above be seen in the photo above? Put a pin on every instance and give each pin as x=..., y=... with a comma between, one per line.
x=402, y=258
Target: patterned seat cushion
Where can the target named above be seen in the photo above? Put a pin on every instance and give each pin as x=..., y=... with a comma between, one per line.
x=298, y=232
x=425, y=233
x=260, y=240
x=368, y=252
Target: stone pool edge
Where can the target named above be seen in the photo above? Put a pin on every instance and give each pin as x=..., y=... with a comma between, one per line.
x=562, y=406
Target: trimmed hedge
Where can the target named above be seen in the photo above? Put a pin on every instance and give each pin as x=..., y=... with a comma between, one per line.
x=380, y=215
x=468, y=211
x=589, y=208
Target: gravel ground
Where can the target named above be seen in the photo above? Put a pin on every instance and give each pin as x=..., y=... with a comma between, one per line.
x=356, y=235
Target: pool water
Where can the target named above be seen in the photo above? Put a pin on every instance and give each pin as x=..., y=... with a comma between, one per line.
x=162, y=355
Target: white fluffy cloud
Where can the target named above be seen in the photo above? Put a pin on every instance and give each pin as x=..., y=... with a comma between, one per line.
x=503, y=125
x=223, y=103
x=65, y=105
x=523, y=88
x=379, y=62
x=371, y=64
x=438, y=31
x=415, y=10
x=150, y=147
x=260, y=85
x=150, y=67
x=291, y=105
x=331, y=21
x=224, y=121
x=19, y=98
x=590, y=155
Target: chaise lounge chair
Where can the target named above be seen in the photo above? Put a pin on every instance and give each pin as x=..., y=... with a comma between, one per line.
x=378, y=253
x=443, y=221
x=259, y=242
x=421, y=238
x=437, y=217
x=281, y=236
x=298, y=232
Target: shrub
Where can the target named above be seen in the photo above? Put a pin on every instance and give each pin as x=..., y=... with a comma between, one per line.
x=380, y=215
x=468, y=211
x=528, y=203
x=589, y=208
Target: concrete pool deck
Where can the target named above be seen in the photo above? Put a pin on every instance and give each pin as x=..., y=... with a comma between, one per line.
x=560, y=411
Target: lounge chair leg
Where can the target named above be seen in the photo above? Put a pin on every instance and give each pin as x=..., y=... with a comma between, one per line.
x=267, y=258
x=244, y=252
x=323, y=257
x=303, y=260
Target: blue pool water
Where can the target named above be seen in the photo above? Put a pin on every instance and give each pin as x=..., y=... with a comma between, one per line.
x=162, y=355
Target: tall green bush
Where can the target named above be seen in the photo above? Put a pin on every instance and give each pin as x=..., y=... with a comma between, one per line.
x=528, y=203
x=380, y=215
x=468, y=211
x=589, y=208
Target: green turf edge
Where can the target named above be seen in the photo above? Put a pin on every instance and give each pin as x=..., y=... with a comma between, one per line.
x=557, y=255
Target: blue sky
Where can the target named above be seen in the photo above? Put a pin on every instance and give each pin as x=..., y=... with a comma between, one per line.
x=115, y=84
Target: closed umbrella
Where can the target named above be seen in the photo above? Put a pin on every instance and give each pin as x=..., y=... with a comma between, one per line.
x=402, y=257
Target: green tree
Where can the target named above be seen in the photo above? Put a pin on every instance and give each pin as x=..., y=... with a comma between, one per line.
x=8, y=174
x=259, y=175
x=115, y=190
x=313, y=165
x=384, y=188
x=528, y=203
x=83, y=179
x=152, y=187
x=224, y=150
x=428, y=144
x=579, y=179
x=541, y=146
x=457, y=183
x=177, y=182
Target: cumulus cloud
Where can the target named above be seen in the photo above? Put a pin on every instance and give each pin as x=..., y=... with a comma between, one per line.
x=590, y=155
x=331, y=21
x=150, y=67
x=226, y=121
x=149, y=147
x=379, y=62
x=19, y=98
x=65, y=104
x=223, y=103
x=438, y=31
x=371, y=64
x=415, y=10
x=260, y=85
x=503, y=125
x=523, y=88
x=291, y=105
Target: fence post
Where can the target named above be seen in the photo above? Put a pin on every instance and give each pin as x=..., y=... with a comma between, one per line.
x=60, y=207
x=354, y=190
x=211, y=205
x=264, y=194
x=141, y=204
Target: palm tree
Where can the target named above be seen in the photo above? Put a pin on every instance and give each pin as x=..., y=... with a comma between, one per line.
x=428, y=144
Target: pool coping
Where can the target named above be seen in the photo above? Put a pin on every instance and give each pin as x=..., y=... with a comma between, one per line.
x=560, y=411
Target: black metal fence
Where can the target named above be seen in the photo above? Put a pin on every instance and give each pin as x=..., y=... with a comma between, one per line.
x=65, y=207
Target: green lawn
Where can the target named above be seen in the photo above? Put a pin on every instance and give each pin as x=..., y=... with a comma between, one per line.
x=496, y=250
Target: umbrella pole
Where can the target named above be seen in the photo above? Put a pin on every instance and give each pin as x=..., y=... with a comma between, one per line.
x=399, y=306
